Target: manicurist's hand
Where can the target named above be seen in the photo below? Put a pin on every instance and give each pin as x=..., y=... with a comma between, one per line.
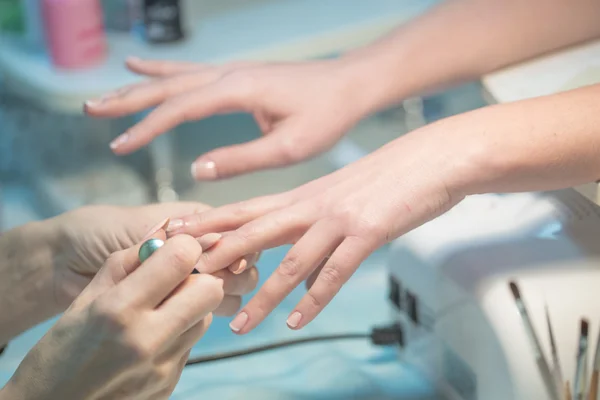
x=88, y=236
x=128, y=334
x=302, y=108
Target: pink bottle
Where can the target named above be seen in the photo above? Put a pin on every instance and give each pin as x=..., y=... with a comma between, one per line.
x=74, y=32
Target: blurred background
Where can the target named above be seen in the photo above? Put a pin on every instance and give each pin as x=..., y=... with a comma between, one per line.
x=53, y=159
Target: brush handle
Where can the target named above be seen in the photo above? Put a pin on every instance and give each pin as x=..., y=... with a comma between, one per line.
x=594, y=386
x=568, y=395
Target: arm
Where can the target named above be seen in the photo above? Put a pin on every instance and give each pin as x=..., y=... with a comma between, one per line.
x=546, y=143
x=27, y=283
x=303, y=109
x=461, y=40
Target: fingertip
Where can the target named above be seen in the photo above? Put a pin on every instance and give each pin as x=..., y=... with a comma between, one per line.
x=133, y=60
x=204, y=170
x=294, y=320
x=118, y=144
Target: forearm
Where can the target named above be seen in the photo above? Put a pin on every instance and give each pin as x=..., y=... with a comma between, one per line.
x=545, y=143
x=27, y=279
x=461, y=40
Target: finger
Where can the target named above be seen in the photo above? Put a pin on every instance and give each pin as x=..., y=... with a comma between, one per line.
x=158, y=68
x=229, y=306
x=194, y=299
x=238, y=285
x=298, y=263
x=197, y=104
x=183, y=343
x=148, y=94
x=209, y=240
x=116, y=268
x=175, y=209
x=227, y=218
x=277, y=149
x=168, y=267
x=271, y=230
x=335, y=273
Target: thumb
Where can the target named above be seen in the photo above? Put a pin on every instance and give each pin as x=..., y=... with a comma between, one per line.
x=117, y=267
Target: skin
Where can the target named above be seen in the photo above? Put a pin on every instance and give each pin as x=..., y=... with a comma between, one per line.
x=336, y=221
x=128, y=334
x=79, y=262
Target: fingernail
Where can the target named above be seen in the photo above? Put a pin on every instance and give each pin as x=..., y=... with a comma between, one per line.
x=155, y=229
x=97, y=102
x=209, y=240
x=239, y=267
x=93, y=103
x=133, y=59
x=119, y=141
x=175, y=225
x=204, y=170
x=238, y=322
x=294, y=320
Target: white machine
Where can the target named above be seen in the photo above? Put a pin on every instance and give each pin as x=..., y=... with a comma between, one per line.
x=449, y=289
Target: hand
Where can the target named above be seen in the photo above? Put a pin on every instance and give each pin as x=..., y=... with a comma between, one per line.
x=303, y=109
x=128, y=334
x=335, y=222
x=89, y=235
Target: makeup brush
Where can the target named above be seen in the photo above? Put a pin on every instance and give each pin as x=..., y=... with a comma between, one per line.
x=557, y=370
x=540, y=360
x=593, y=394
x=568, y=395
x=580, y=383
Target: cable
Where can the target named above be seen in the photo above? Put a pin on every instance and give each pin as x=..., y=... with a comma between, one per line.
x=383, y=336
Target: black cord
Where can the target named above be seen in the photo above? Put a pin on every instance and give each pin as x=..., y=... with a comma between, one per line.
x=388, y=335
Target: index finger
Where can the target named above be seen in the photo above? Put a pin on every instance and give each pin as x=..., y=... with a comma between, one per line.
x=215, y=98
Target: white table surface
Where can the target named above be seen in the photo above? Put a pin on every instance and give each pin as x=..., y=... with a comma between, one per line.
x=274, y=30
x=564, y=70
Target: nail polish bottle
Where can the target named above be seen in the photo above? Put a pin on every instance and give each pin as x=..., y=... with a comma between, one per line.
x=74, y=32
x=163, y=21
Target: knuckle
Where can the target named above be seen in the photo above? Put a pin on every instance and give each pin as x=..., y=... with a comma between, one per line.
x=211, y=289
x=313, y=300
x=110, y=313
x=291, y=150
x=243, y=81
x=331, y=276
x=290, y=267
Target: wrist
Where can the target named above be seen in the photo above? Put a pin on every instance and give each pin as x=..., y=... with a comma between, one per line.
x=10, y=392
x=476, y=163
x=27, y=287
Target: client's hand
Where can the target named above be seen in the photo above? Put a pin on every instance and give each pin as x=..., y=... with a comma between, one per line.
x=128, y=334
x=302, y=108
x=87, y=236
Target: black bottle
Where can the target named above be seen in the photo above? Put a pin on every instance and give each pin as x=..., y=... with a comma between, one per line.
x=162, y=21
